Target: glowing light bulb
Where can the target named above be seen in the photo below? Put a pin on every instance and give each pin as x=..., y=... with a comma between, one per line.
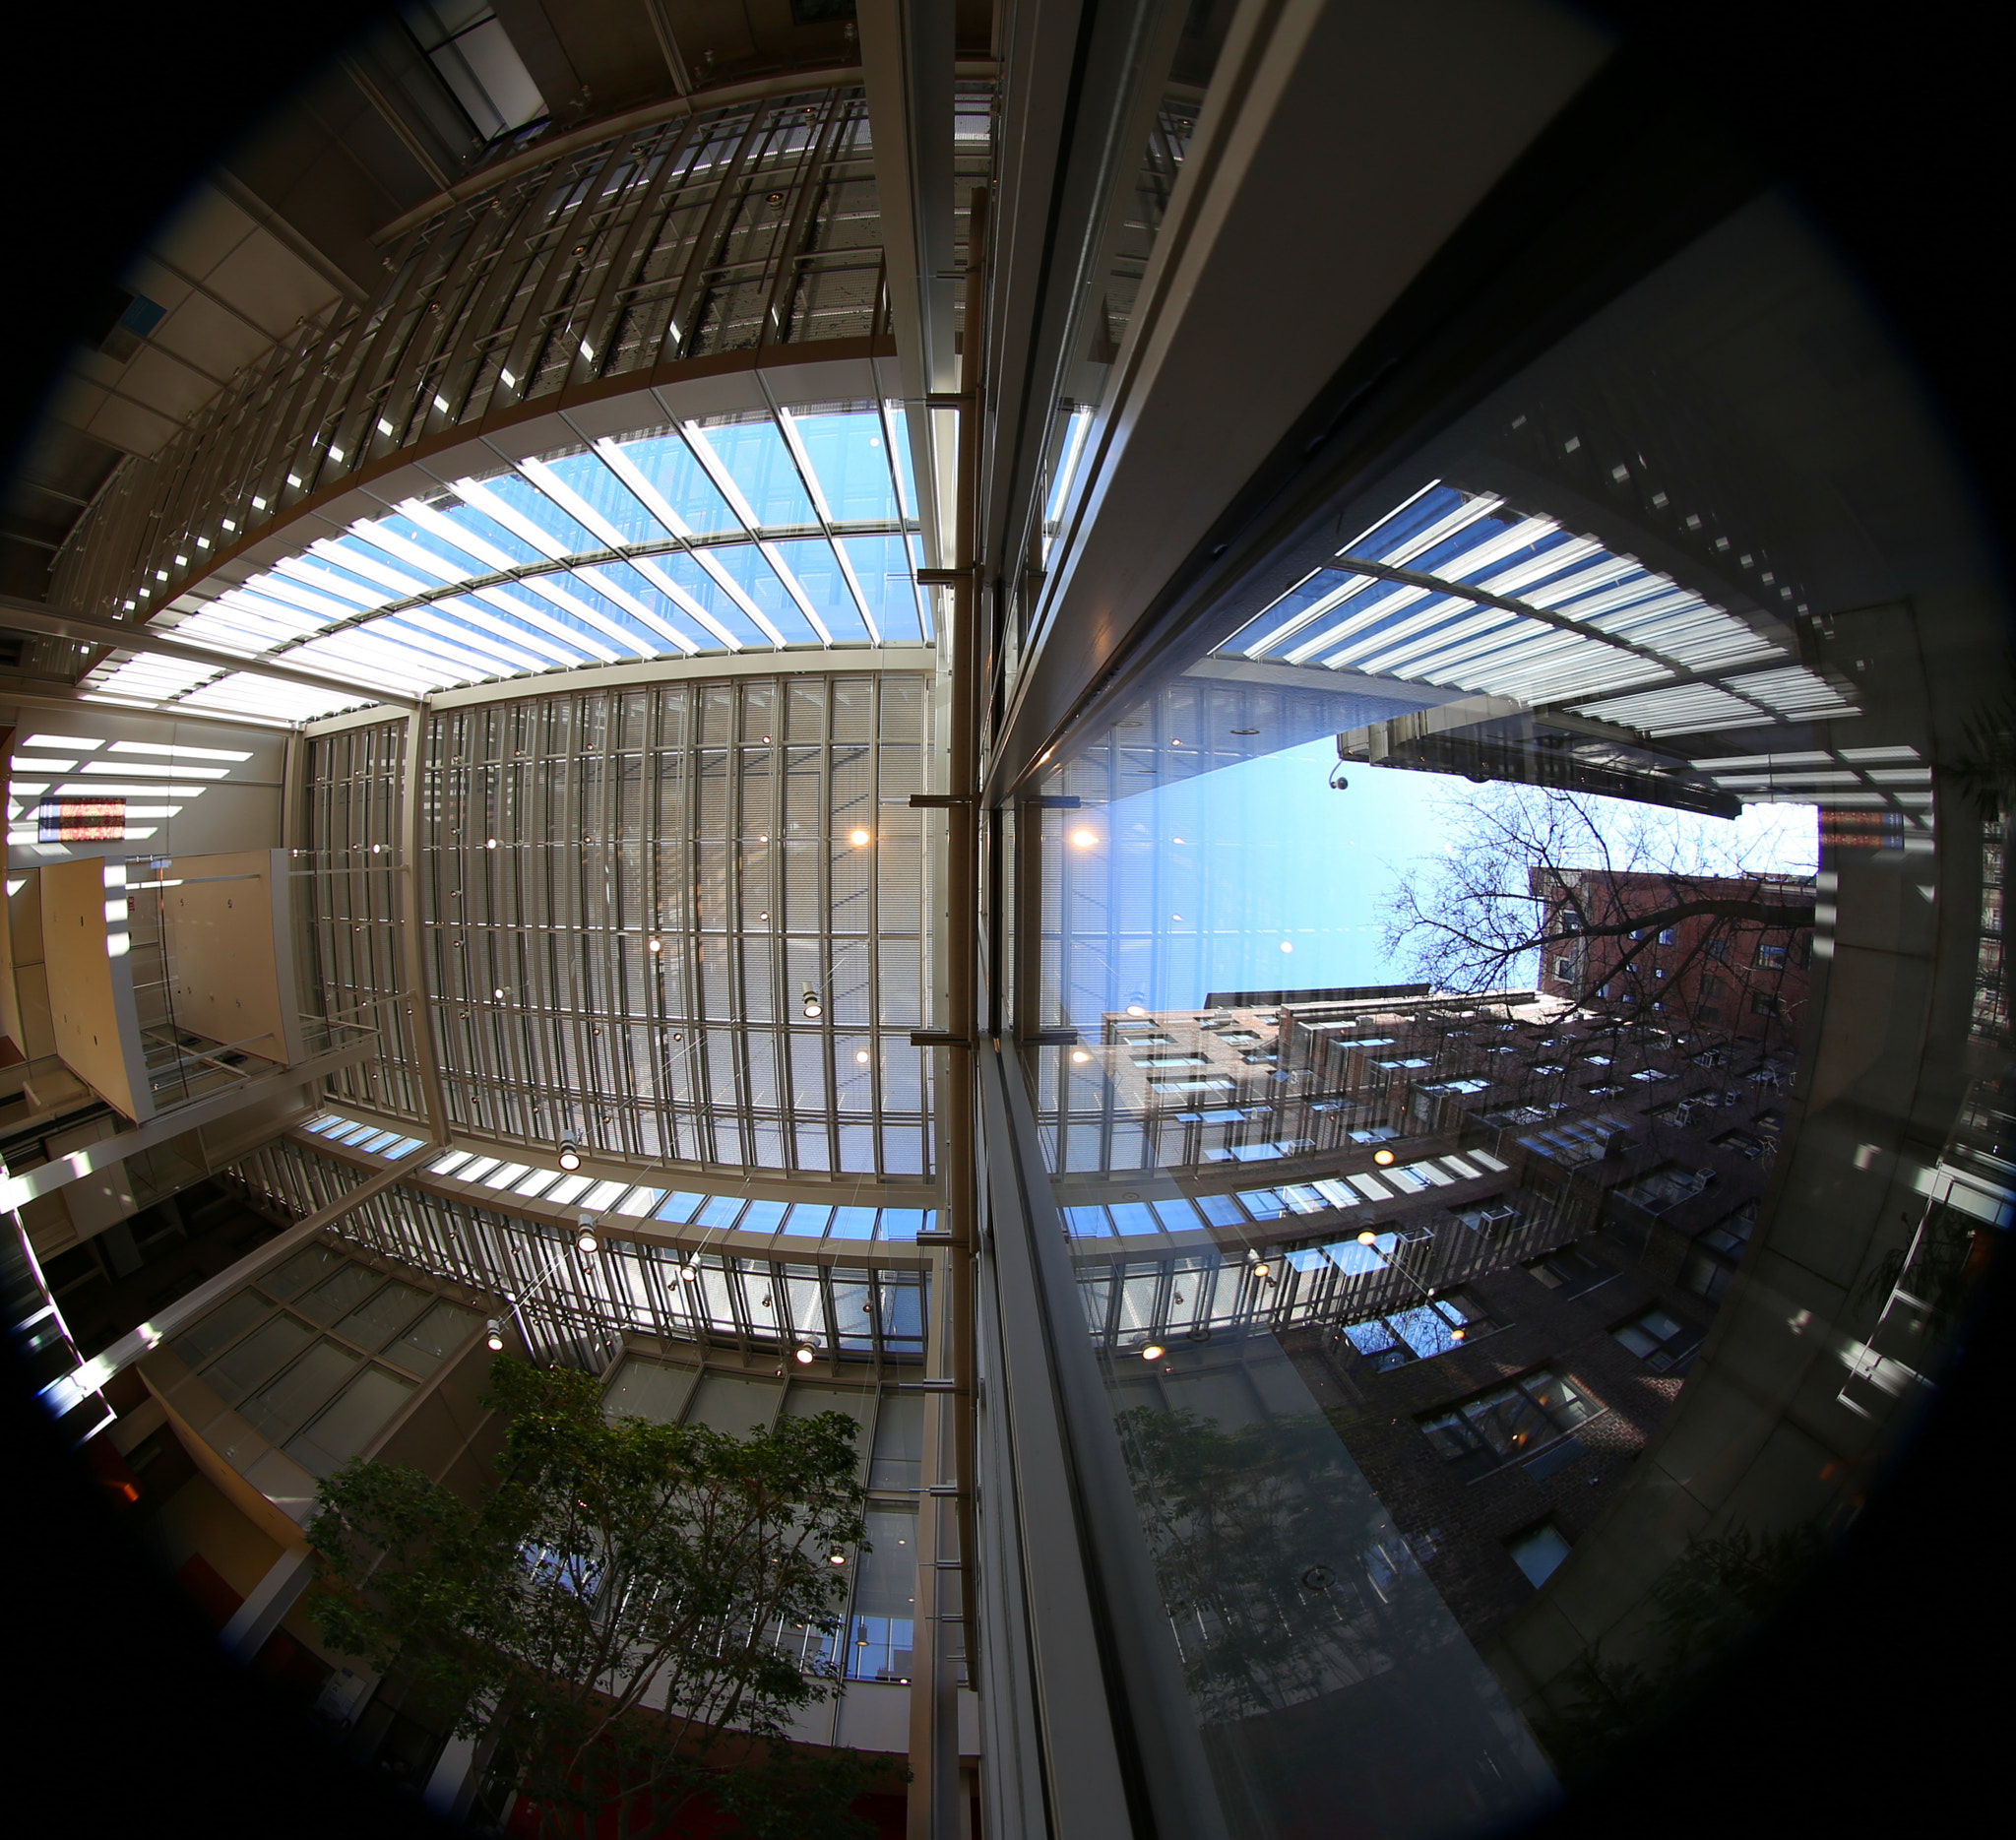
x=1080, y=1056
x=657, y=945
x=570, y=1153
x=1153, y=1352
x=489, y=842
x=1084, y=839
x=493, y=1338
x=860, y=1056
x=858, y=838
x=584, y=1241
x=1286, y=946
x=836, y=1558
x=1383, y=1157
x=1368, y=1238
x=1137, y=1009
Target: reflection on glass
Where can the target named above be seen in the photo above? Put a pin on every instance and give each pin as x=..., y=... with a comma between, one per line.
x=1437, y=969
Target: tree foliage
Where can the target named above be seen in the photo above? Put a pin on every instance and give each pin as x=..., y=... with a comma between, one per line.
x=1533, y=871
x=1712, y=1598
x=628, y=1607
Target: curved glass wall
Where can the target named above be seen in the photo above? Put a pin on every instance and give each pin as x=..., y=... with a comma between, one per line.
x=1524, y=1063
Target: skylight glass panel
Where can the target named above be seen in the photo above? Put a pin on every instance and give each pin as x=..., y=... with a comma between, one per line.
x=882, y=567
x=338, y=586
x=532, y=505
x=405, y=546
x=493, y=616
x=757, y=459
x=899, y=1225
x=373, y=567
x=744, y=565
x=1399, y=529
x=848, y=460
x=288, y=593
x=600, y=490
x=707, y=594
x=818, y=574
x=808, y=1219
x=718, y=1213
x=852, y=1224
x=432, y=536
x=677, y=1207
x=625, y=585
x=666, y=463
x=493, y=537
x=558, y=623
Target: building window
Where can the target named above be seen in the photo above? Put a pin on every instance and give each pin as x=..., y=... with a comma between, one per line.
x=1711, y=985
x=1539, y=1551
x=1418, y=1334
x=1664, y=1187
x=1564, y=968
x=1765, y=1003
x=1495, y=1428
x=1770, y=955
x=1670, y=936
x=1717, y=949
x=1664, y=1342
x=1659, y=970
x=1568, y=1271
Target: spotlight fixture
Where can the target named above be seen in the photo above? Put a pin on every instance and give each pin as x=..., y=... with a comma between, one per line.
x=803, y=1356
x=1137, y=1009
x=1383, y=1157
x=489, y=842
x=860, y=1056
x=493, y=1336
x=570, y=1153
x=656, y=946
x=1079, y=1056
x=584, y=1241
x=1085, y=839
x=1260, y=1270
x=1368, y=1238
x=857, y=837
x=1153, y=1352
x=836, y=1558
x=811, y=1007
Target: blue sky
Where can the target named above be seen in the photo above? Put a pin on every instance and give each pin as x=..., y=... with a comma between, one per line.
x=1230, y=868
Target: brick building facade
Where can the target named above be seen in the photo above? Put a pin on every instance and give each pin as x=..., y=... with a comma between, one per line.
x=1712, y=971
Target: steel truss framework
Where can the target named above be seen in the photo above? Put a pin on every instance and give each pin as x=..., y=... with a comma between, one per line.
x=628, y=898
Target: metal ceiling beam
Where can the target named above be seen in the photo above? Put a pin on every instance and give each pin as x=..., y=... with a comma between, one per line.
x=908, y=69
x=33, y=616
x=36, y=693
x=17, y=1191
x=178, y=1315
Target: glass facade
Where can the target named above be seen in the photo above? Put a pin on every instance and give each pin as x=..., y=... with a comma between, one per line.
x=1360, y=1021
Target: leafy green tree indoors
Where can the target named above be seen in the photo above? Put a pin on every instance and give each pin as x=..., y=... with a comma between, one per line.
x=634, y=1609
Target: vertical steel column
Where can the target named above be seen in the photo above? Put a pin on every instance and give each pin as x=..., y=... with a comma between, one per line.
x=413, y=942
x=945, y=1553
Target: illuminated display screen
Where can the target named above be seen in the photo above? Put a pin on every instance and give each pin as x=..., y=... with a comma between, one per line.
x=80, y=820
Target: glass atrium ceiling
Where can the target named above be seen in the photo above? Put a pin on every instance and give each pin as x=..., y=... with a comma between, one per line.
x=737, y=533
x=1461, y=588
